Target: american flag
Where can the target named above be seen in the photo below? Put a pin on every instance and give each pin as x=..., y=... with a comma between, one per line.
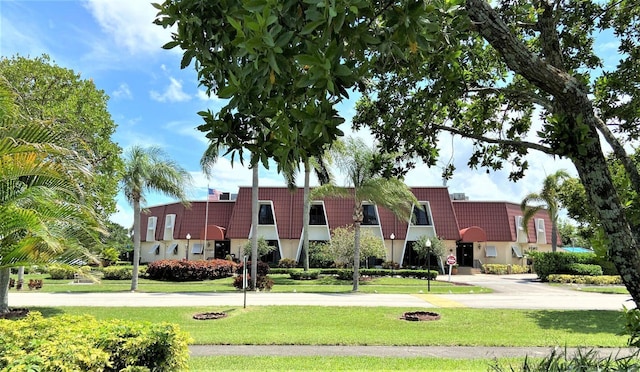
x=213, y=195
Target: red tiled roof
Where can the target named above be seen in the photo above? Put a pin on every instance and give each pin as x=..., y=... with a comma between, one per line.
x=288, y=210
x=498, y=219
x=189, y=220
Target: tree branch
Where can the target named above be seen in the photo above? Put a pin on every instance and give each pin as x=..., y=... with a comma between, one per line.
x=518, y=94
x=478, y=137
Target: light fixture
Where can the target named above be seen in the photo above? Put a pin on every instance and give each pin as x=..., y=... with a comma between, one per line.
x=188, y=238
x=393, y=237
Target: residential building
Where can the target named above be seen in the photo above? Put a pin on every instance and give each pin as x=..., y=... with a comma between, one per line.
x=475, y=232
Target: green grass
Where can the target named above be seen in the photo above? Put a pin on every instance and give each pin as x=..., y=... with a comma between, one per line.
x=311, y=325
x=359, y=363
x=282, y=284
x=604, y=289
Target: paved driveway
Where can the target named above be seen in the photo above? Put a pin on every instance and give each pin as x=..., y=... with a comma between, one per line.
x=510, y=292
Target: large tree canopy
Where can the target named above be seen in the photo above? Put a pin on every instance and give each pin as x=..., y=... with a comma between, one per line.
x=76, y=110
x=468, y=67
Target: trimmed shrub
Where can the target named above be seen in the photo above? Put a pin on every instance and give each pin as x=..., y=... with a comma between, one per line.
x=62, y=271
x=585, y=279
x=584, y=269
x=263, y=268
x=264, y=283
x=118, y=272
x=502, y=269
x=304, y=275
x=280, y=270
x=547, y=263
x=181, y=271
x=287, y=263
x=82, y=343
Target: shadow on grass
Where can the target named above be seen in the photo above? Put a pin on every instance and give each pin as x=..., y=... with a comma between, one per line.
x=48, y=311
x=579, y=321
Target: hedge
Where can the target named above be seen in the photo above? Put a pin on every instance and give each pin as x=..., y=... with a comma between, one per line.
x=119, y=272
x=502, y=269
x=586, y=279
x=547, y=263
x=181, y=270
x=82, y=343
x=304, y=275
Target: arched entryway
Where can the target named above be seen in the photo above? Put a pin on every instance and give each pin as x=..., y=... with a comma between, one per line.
x=464, y=247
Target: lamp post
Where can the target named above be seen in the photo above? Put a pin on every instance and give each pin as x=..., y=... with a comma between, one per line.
x=428, y=245
x=393, y=237
x=188, y=238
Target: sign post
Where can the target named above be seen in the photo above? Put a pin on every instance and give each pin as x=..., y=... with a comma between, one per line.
x=451, y=260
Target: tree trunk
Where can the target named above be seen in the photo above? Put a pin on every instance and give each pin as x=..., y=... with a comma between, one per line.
x=579, y=132
x=356, y=257
x=255, y=209
x=554, y=235
x=136, y=244
x=305, y=216
x=19, y=284
x=5, y=275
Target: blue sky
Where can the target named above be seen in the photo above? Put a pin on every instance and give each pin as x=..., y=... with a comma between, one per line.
x=154, y=102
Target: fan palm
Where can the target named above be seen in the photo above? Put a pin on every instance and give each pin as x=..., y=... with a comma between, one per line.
x=149, y=169
x=43, y=216
x=365, y=183
x=548, y=199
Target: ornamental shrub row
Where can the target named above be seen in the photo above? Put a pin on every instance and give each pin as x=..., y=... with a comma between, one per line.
x=124, y=272
x=64, y=271
x=547, y=263
x=82, y=343
x=584, y=269
x=304, y=275
x=502, y=269
x=181, y=270
x=585, y=279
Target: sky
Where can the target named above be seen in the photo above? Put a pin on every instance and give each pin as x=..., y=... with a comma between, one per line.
x=154, y=102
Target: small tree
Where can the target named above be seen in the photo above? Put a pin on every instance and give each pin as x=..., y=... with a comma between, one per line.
x=437, y=247
x=263, y=248
x=342, y=249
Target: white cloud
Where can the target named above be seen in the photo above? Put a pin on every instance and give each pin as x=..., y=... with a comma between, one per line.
x=123, y=215
x=173, y=93
x=130, y=24
x=123, y=91
x=202, y=95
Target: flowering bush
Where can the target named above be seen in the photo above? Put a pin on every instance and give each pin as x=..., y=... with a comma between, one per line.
x=180, y=270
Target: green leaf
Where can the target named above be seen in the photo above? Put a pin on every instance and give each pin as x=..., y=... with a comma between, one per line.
x=171, y=45
x=227, y=92
x=310, y=27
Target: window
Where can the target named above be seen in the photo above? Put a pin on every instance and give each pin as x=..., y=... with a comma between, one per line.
x=151, y=228
x=265, y=215
x=516, y=252
x=420, y=215
x=173, y=249
x=155, y=249
x=541, y=234
x=491, y=251
x=197, y=248
x=316, y=215
x=370, y=217
x=169, y=222
x=521, y=236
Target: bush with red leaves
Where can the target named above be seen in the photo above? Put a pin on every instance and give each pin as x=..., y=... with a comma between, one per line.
x=182, y=271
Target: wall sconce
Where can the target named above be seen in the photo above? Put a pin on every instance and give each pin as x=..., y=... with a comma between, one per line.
x=479, y=246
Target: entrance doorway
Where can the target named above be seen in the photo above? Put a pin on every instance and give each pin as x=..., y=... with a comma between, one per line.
x=464, y=253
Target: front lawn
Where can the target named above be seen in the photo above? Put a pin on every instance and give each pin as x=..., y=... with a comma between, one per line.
x=327, y=325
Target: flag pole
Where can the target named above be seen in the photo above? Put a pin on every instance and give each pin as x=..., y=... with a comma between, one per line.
x=206, y=225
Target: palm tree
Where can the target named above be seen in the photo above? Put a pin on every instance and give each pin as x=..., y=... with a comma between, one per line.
x=365, y=183
x=321, y=168
x=42, y=207
x=548, y=199
x=149, y=169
